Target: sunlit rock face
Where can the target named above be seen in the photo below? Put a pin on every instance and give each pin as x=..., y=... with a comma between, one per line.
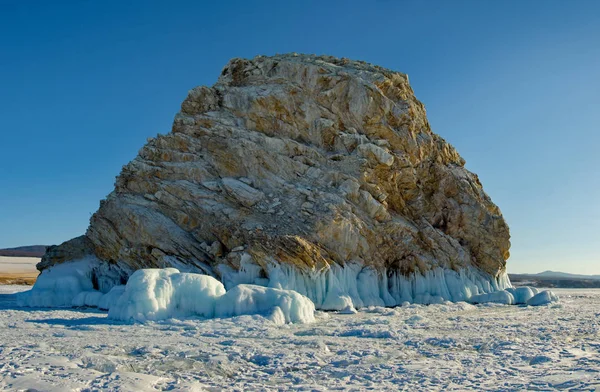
x=305, y=172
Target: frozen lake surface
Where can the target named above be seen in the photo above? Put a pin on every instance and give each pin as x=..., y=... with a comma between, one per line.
x=18, y=270
x=436, y=347
x=18, y=264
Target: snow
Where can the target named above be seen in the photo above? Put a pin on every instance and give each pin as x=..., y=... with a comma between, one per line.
x=18, y=270
x=447, y=346
x=10, y=264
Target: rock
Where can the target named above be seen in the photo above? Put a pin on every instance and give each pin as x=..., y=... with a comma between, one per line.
x=362, y=183
x=243, y=192
x=378, y=154
x=74, y=249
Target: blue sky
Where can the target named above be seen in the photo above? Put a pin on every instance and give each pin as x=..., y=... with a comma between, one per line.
x=513, y=85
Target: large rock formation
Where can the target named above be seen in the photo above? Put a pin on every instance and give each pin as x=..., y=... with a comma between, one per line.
x=304, y=172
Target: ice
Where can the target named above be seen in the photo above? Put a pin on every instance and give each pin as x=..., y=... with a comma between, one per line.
x=368, y=288
x=497, y=297
x=277, y=316
x=157, y=294
x=335, y=287
x=355, y=286
x=75, y=283
x=252, y=299
x=248, y=273
x=543, y=298
x=109, y=299
x=516, y=296
x=521, y=294
x=60, y=285
x=87, y=298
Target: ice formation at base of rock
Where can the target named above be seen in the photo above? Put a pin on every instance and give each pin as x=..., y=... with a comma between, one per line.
x=498, y=297
x=522, y=294
x=157, y=294
x=355, y=286
x=543, y=298
x=517, y=296
x=83, y=282
x=288, y=295
x=285, y=306
x=109, y=299
x=60, y=285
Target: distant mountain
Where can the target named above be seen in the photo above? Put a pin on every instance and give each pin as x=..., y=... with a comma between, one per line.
x=565, y=275
x=556, y=279
x=24, y=251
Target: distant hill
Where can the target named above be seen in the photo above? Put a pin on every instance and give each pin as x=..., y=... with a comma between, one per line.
x=565, y=275
x=24, y=251
x=556, y=279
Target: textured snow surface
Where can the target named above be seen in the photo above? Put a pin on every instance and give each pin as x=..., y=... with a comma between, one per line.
x=448, y=346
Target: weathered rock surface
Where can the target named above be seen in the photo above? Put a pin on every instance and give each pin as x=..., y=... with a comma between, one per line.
x=306, y=164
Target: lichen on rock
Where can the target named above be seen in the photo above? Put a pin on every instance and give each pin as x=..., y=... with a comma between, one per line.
x=326, y=168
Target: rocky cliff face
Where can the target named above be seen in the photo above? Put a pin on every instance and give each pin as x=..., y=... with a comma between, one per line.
x=293, y=170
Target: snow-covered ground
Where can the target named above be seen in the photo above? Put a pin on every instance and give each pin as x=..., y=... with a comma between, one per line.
x=18, y=264
x=436, y=347
x=18, y=269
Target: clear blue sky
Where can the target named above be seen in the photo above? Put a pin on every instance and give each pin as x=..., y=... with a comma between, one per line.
x=513, y=85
